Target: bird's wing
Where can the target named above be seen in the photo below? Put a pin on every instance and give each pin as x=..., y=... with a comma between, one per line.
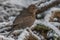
x=28, y=21
x=18, y=20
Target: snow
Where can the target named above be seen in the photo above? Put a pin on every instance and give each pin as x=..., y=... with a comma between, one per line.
x=4, y=24
x=48, y=25
x=23, y=35
x=47, y=3
x=55, y=23
x=24, y=3
x=54, y=9
x=5, y=38
x=48, y=15
x=12, y=18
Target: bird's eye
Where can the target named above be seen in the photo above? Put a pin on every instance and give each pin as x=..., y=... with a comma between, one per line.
x=33, y=7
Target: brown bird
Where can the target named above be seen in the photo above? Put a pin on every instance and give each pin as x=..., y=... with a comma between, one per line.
x=25, y=19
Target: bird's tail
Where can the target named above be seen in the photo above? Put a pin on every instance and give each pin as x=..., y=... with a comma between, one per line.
x=12, y=29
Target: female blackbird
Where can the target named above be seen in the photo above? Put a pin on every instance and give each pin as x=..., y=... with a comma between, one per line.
x=25, y=19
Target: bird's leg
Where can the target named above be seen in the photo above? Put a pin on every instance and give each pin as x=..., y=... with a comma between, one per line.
x=32, y=34
x=33, y=26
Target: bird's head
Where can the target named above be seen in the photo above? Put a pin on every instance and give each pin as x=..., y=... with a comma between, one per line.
x=32, y=9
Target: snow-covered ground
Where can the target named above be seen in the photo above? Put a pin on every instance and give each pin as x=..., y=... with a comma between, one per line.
x=9, y=9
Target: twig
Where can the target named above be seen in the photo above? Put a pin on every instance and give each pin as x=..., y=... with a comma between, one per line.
x=34, y=35
x=47, y=24
x=45, y=6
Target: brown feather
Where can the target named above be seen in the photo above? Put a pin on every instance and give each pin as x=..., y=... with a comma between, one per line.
x=25, y=19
